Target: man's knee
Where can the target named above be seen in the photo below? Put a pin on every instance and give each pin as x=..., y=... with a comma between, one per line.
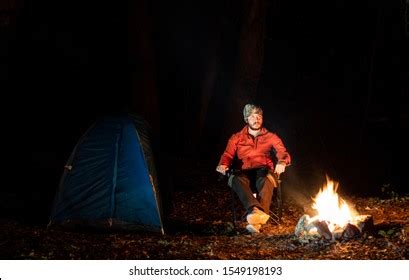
x=236, y=181
x=239, y=182
x=264, y=183
x=272, y=180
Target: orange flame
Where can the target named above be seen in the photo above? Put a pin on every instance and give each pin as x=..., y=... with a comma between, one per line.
x=331, y=208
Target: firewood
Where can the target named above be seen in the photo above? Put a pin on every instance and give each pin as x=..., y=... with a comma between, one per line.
x=350, y=231
x=364, y=223
x=337, y=233
x=323, y=229
x=301, y=226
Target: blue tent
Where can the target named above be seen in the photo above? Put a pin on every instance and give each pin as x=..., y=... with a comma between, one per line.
x=110, y=179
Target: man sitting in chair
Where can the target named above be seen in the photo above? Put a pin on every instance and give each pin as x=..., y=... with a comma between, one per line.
x=253, y=146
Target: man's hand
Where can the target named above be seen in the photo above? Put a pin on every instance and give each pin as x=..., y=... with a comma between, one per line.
x=280, y=168
x=222, y=169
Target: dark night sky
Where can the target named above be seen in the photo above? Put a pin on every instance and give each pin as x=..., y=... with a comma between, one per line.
x=334, y=83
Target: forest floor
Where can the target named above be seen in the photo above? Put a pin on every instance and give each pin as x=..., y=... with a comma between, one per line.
x=200, y=227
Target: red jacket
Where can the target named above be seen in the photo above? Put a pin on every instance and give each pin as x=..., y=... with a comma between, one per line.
x=254, y=152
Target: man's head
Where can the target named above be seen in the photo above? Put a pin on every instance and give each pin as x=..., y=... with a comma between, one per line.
x=253, y=116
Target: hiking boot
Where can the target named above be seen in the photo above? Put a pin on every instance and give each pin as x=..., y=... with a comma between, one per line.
x=257, y=217
x=253, y=228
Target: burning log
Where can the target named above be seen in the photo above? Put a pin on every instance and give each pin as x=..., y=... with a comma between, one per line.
x=309, y=228
x=337, y=233
x=364, y=223
x=322, y=229
x=350, y=231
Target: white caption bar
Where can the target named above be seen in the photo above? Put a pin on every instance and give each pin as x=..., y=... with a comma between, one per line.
x=204, y=269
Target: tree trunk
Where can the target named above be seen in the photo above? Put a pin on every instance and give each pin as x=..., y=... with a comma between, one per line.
x=249, y=64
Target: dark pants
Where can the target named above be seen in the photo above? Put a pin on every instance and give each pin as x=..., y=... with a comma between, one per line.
x=247, y=182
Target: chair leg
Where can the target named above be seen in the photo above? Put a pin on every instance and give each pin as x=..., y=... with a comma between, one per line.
x=276, y=216
x=233, y=206
x=279, y=201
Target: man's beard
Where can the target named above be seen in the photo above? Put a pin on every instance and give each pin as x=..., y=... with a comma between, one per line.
x=256, y=126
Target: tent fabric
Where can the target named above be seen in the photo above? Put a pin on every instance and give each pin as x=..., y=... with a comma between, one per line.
x=110, y=179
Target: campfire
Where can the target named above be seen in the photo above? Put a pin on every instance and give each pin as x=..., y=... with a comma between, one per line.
x=334, y=219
